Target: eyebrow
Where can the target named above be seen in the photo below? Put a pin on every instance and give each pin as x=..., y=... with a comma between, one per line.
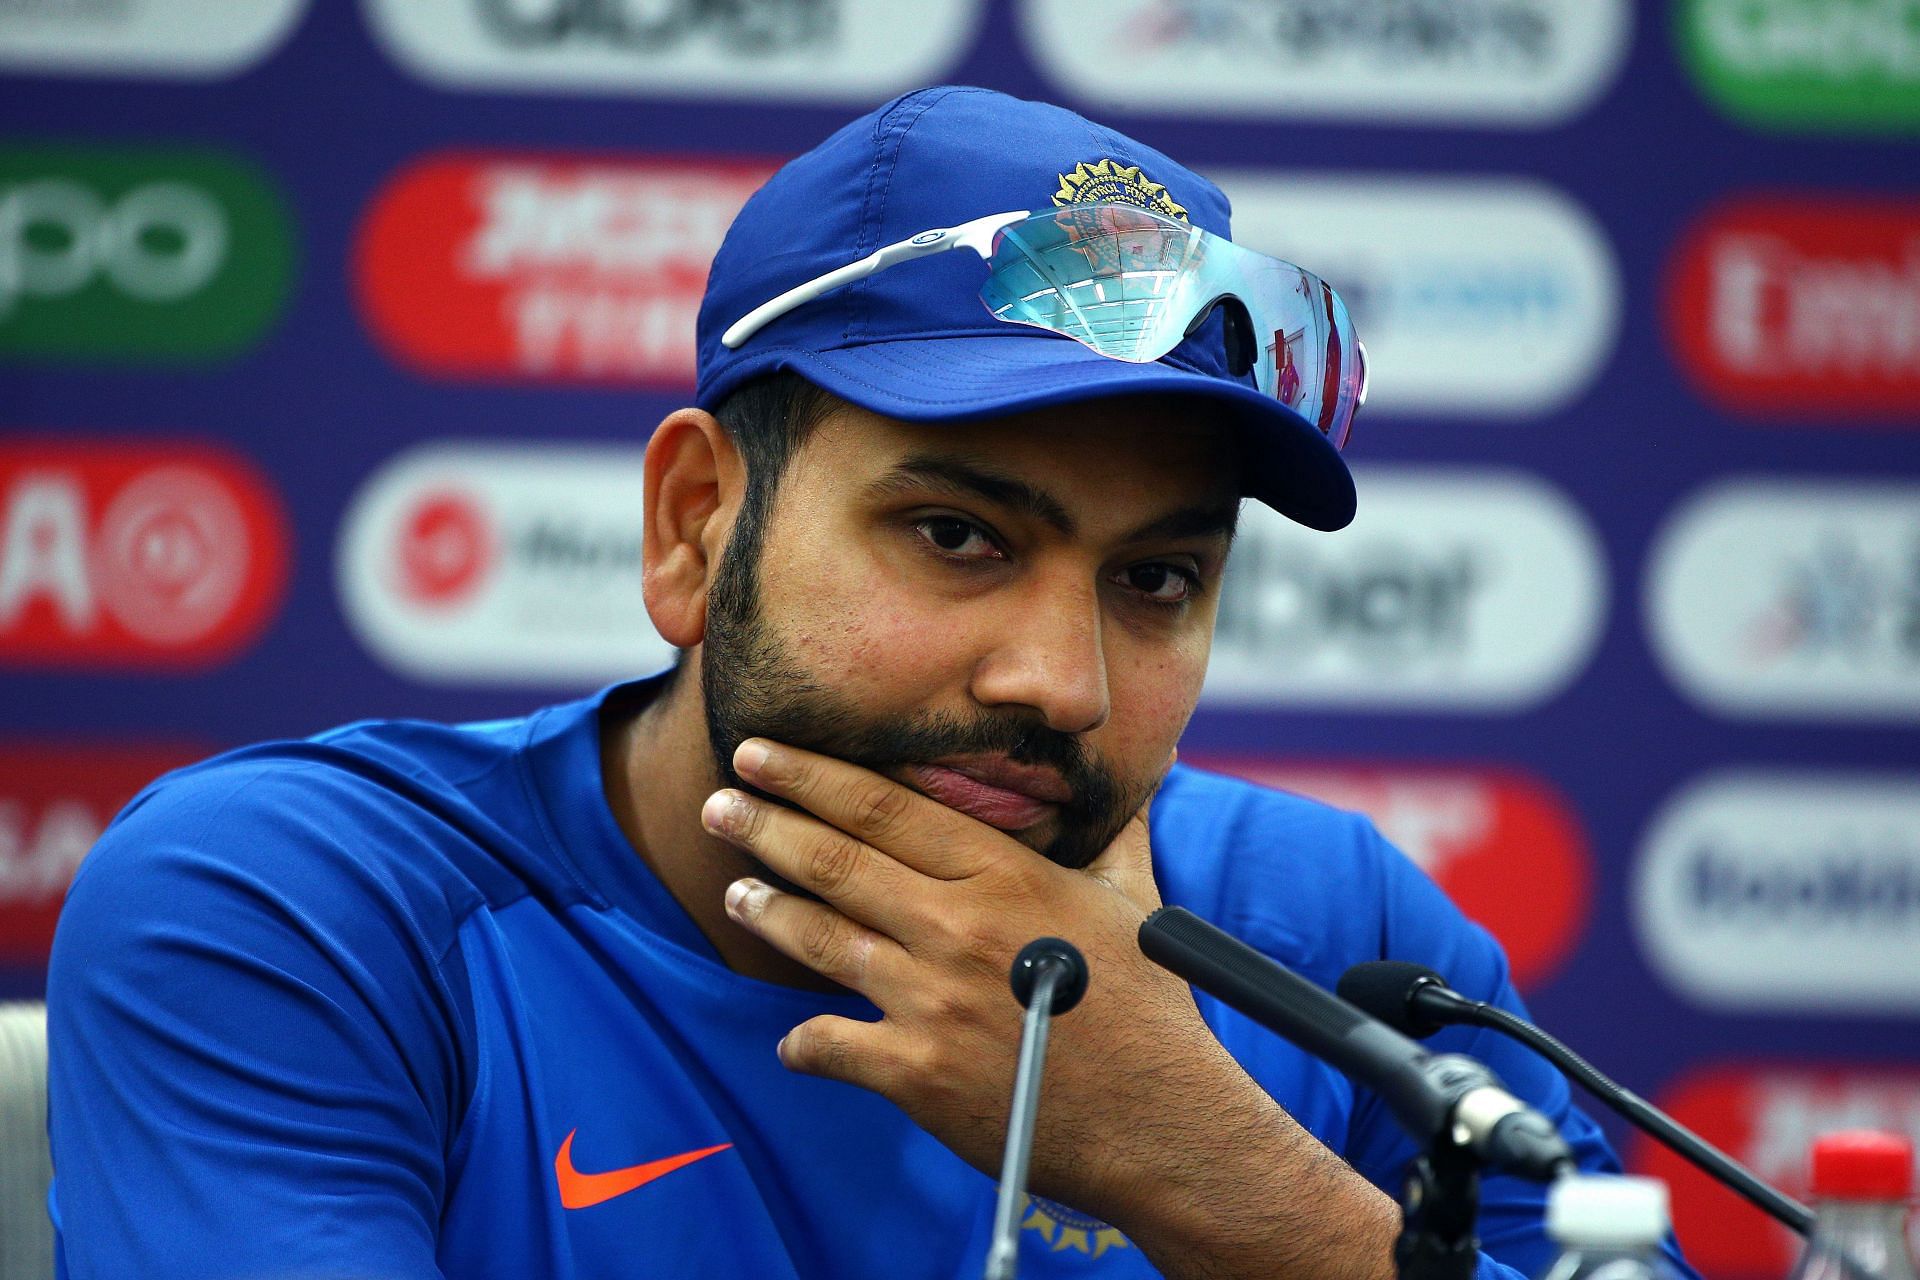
x=937, y=471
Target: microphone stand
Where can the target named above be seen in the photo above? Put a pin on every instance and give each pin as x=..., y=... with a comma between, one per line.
x=1049, y=977
x=1438, y=1206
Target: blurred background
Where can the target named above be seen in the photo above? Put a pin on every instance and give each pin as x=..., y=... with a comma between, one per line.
x=331, y=332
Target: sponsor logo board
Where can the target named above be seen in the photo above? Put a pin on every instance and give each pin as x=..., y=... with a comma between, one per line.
x=1792, y=598
x=501, y=564
x=151, y=255
x=851, y=51
x=1841, y=64
x=55, y=800
x=1453, y=590
x=1766, y=1117
x=1505, y=846
x=161, y=39
x=544, y=268
x=1802, y=307
x=1489, y=297
x=1786, y=892
x=1511, y=63
x=131, y=554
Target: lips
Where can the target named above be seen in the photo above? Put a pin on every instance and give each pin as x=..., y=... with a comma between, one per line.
x=997, y=792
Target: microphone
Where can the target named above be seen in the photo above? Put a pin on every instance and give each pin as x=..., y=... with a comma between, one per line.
x=1049, y=977
x=1433, y=1095
x=1418, y=1001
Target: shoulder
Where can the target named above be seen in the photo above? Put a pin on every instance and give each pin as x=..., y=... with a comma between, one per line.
x=1316, y=886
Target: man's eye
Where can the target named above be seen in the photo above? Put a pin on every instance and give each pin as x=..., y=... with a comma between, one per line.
x=956, y=537
x=1160, y=583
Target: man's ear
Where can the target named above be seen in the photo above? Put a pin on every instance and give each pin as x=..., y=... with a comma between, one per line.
x=695, y=480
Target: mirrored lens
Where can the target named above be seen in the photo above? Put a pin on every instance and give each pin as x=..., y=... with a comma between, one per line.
x=1130, y=284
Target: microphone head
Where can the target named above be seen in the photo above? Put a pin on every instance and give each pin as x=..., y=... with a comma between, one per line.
x=1386, y=989
x=1067, y=988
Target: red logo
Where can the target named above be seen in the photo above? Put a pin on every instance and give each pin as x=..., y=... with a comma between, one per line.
x=1802, y=307
x=584, y=1190
x=1767, y=1119
x=547, y=268
x=134, y=554
x=446, y=548
x=1504, y=846
x=54, y=803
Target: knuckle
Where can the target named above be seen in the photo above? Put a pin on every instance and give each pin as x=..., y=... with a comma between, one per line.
x=880, y=807
x=824, y=942
x=833, y=862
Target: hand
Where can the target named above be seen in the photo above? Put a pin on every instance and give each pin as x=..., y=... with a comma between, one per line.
x=922, y=910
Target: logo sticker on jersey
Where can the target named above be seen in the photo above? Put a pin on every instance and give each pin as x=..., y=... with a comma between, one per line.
x=849, y=51
x=1453, y=590
x=55, y=800
x=1792, y=598
x=511, y=564
x=1505, y=846
x=1765, y=1117
x=120, y=554
x=1799, y=64
x=1785, y=892
x=1069, y=1231
x=137, y=255
x=1481, y=297
x=1802, y=310
x=546, y=268
x=157, y=39
x=1505, y=63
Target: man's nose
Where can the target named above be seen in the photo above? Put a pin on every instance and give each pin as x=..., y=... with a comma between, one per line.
x=1048, y=656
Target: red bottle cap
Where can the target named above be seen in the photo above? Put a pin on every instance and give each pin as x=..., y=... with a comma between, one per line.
x=1862, y=1164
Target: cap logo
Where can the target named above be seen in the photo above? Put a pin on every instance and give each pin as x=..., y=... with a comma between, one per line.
x=1107, y=181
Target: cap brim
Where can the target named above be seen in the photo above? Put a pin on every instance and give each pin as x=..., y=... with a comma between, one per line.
x=1290, y=466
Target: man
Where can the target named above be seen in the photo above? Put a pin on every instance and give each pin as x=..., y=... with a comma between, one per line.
x=707, y=974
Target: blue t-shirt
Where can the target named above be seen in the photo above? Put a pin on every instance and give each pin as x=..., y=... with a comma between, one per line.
x=382, y=1002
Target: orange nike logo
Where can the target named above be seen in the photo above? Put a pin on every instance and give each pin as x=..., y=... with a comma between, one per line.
x=584, y=1190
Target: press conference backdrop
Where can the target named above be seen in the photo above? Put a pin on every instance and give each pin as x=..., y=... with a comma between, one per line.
x=331, y=331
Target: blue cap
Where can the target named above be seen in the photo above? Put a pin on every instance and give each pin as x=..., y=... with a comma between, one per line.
x=914, y=342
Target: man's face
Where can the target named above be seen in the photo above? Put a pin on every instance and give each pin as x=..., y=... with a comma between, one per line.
x=1012, y=617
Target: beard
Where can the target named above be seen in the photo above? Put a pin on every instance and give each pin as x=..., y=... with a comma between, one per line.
x=753, y=687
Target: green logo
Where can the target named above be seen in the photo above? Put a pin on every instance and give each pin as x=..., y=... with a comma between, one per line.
x=1808, y=64
x=137, y=255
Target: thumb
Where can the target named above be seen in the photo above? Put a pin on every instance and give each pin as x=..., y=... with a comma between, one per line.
x=1127, y=863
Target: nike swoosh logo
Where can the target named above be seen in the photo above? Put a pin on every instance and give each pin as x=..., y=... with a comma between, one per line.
x=584, y=1190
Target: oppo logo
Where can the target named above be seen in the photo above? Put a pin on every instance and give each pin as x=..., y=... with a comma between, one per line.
x=1421, y=602
x=141, y=255
x=133, y=554
x=1504, y=845
x=1515, y=63
x=501, y=564
x=844, y=51
x=1785, y=891
x=1798, y=63
x=1487, y=297
x=747, y=26
x=159, y=242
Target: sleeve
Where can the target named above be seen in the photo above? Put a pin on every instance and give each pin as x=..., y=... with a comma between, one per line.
x=1422, y=925
x=254, y=1062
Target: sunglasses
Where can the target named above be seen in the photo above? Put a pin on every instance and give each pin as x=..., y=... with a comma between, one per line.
x=1133, y=284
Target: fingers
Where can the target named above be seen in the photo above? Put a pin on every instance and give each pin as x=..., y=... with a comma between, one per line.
x=858, y=879
x=841, y=1049
x=815, y=935
x=923, y=834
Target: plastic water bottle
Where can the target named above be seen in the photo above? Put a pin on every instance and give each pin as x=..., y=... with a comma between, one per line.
x=1861, y=1181
x=1608, y=1228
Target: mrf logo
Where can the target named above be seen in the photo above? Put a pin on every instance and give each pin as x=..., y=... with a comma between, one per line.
x=1803, y=308
x=1504, y=846
x=137, y=255
x=547, y=269
x=1767, y=1119
x=55, y=800
x=121, y=554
